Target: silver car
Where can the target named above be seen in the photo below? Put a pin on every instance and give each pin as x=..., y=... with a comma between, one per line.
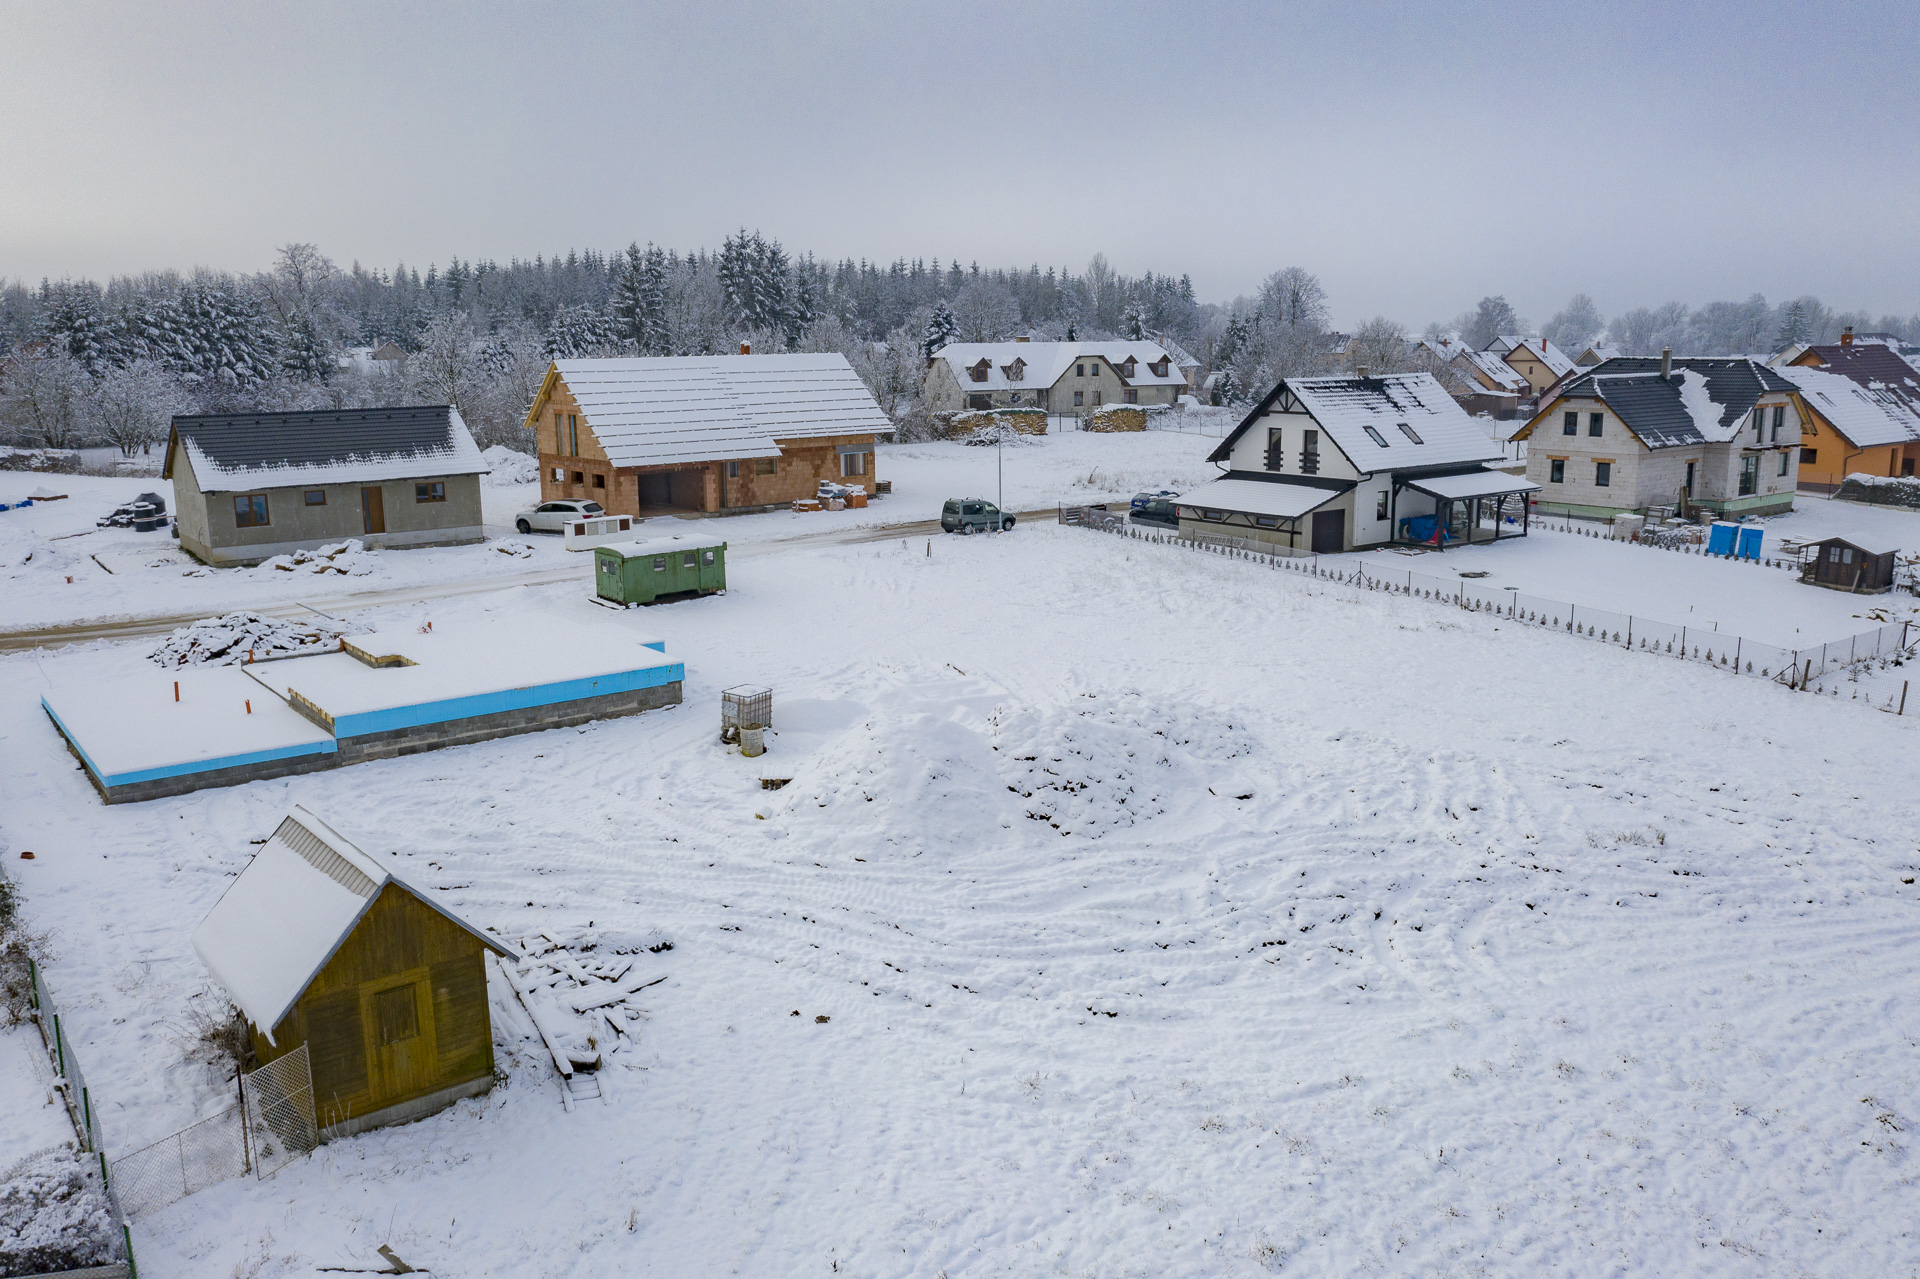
x=548, y=517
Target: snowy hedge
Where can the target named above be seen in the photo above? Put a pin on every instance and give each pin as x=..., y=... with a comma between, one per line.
x=1881, y=490
x=53, y=1216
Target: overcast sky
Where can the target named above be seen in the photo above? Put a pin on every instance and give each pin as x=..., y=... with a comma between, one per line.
x=1415, y=156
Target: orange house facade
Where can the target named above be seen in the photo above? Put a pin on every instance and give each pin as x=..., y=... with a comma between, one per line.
x=703, y=435
x=1861, y=408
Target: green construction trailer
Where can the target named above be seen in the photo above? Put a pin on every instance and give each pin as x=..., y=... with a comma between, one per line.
x=659, y=568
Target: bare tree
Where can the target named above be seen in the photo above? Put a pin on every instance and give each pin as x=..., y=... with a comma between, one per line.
x=1293, y=297
x=42, y=398
x=1381, y=346
x=131, y=407
x=986, y=311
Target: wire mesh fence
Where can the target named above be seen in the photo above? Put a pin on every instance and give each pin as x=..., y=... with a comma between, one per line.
x=1717, y=648
x=281, y=1124
x=200, y=1155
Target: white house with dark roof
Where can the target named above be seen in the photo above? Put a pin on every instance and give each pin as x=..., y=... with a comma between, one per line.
x=1721, y=434
x=1327, y=464
x=1058, y=377
x=703, y=434
x=249, y=486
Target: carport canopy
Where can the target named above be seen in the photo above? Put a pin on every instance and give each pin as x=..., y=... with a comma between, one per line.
x=1458, y=488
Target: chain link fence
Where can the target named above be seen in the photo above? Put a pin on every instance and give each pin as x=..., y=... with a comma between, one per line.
x=1793, y=667
x=278, y=1100
x=200, y=1155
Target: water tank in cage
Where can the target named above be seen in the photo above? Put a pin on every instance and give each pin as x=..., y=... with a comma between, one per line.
x=744, y=706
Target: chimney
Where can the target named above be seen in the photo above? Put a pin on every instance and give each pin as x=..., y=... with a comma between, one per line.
x=1363, y=372
x=1666, y=362
x=1026, y=339
x=1846, y=336
x=746, y=348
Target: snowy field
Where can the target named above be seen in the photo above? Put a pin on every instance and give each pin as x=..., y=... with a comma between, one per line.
x=1173, y=917
x=119, y=573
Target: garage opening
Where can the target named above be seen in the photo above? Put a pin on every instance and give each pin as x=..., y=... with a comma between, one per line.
x=662, y=492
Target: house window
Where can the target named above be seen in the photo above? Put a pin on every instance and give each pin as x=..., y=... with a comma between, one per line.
x=1131, y=396
x=1570, y=424
x=1310, y=452
x=1380, y=505
x=559, y=476
x=1096, y=398
x=435, y=492
x=1266, y=521
x=599, y=482
x=979, y=401
x=1596, y=423
x=1079, y=398
x=395, y=1015
x=1093, y=370
x=1759, y=425
x=853, y=464
x=1779, y=420
x=1783, y=461
x=1276, y=458
x=316, y=497
x=1375, y=436
x=573, y=434
x=766, y=465
x=559, y=432
x=1079, y=370
x=733, y=470
x=1602, y=474
x=1807, y=456
x=979, y=371
x=1557, y=471
x=1749, y=474
x=250, y=511
x=1409, y=433
x=1215, y=516
x=579, y=478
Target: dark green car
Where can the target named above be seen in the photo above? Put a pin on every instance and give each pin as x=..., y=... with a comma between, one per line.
x=973, y=515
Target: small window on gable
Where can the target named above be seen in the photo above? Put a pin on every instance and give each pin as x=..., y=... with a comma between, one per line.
x=1409, y=433
x=1375, y=436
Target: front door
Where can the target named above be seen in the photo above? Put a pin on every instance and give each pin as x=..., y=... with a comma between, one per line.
x=373, y=511
x=1329, y=532
x=1689, y=487
x=398, y=1016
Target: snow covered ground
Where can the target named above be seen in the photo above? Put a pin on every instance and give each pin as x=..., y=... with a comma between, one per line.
x=32, y=1116
x=1172, y=916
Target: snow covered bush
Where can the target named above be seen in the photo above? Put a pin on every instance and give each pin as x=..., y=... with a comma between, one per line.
x=509, y=467
x=53, y=1216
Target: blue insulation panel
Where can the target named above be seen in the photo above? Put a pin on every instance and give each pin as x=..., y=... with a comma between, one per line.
x=388, y=719
x=188, y=766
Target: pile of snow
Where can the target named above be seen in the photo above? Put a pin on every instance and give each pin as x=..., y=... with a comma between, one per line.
x=507, y=467
x=348, y=558
x=223, y=641
x=53, y=1216
x=514, y=547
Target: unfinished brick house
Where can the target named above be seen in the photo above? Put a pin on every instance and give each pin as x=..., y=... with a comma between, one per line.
x=704, y=434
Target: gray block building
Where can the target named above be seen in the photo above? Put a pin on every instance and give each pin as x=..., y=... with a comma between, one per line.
x=249, y=486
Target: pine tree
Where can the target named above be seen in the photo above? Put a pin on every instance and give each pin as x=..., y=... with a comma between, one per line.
x=579, y=331
x=941, y=327
x=1793, y=323
x=628, y=307
x=72, y=319
x=1133, y=323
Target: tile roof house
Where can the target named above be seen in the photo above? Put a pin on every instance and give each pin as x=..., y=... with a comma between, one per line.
x=1861, y=402
x=1057, y=377
x=249, y=486
x=1597, y=355
x=712, y=434
x=1539, y=361
x=1720, y=434
x=1327, y=464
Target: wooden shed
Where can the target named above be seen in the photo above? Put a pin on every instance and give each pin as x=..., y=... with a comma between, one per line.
x=319, y=943
x=1842, y=564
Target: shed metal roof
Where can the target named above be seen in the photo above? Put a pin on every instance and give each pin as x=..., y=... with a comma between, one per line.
x=236, y=451
x=1259, y=497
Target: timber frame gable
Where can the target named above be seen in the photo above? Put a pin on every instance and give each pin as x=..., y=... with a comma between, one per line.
x=1280, y=399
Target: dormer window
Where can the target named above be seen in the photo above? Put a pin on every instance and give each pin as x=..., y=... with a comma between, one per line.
x=1016, y=371
x=979, y=371
x=1375, y=436
x=1158, y=368
x=1126, y=367
x=1408, y=432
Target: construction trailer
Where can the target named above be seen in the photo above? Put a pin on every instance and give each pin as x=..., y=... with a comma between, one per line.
x=642, y=572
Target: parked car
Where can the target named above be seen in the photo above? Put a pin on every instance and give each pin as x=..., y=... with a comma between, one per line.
x=548, y=517
x=1141, y=499
x=972, y=515
x=1155, y=510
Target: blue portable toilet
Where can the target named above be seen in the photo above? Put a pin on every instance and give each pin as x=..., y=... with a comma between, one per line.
x=1720, y=538
x=1750, y=535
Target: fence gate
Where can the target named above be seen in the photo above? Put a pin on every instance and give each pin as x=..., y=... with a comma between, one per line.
x=278, y=1099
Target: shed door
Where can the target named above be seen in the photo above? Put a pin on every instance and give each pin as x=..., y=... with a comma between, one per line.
x=1329, y=531
x=373, y=511
x=398, y=1016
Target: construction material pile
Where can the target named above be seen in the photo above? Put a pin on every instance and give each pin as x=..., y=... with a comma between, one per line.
x=241, y=637
x=350, y=557
x=580, y=1001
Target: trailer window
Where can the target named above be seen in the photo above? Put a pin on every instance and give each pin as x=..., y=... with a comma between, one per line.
x=659, y=563
x=706, y=557
x=687, y=560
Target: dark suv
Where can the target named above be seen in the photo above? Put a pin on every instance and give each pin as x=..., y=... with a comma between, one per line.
x=1151, y=508
x=972, y=515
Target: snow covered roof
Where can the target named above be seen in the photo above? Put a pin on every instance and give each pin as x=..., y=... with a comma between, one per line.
x=1494, y=370
x=1259, y=497
x=1504, y=342
x=1397, y=421
x=1598, y=355
x=1045, y=363
x=231, y=452
x=663, y=546
x=1868, y=415
x=289, y=910
x=1703, y=402
x=1544, y=351
x=700, y=408
x=1477, y=483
